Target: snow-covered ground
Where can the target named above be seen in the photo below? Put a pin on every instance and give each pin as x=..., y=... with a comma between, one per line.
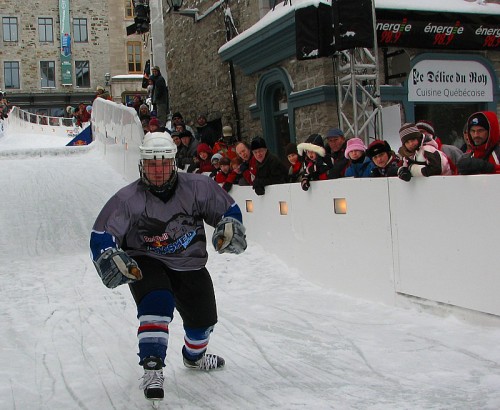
x=69, y=343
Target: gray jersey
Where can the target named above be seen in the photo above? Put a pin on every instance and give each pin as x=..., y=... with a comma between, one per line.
x=172, y=231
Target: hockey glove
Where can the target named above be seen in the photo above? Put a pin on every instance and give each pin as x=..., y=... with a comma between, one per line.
x=259, y=188
x=404, y=174
x=229, y=236
x=472, y=166
x=116, y=268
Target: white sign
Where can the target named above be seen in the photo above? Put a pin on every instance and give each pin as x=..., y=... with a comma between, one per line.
x=450, y=80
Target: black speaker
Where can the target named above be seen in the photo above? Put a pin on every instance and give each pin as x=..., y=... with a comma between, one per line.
x=313, y=32
x=352, y=24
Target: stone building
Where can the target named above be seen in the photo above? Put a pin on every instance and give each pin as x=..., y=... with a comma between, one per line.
x=56, y=53
x=237, y=61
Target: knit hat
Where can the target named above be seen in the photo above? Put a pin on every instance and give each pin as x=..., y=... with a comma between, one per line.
x=154, y=121
x=478, y=119
x=203, y=148
x=142, y=106
x=186, y=134
x=291, y=148
x=426, y=126
x=227, y=131
x=377, y=147
x=354, y=144
x=155, y=68
x=334, y=132
x=216, y=157
x=258, y=142
x=409, y=131
x=313, y=143
x=177, y=115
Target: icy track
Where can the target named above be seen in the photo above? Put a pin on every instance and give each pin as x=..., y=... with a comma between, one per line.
x=70, y=343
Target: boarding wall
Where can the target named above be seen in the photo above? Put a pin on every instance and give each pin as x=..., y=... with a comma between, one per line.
x=432, y=238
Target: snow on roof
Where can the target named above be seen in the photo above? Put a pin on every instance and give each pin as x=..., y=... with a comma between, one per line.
x=452, y=6
x=127, y=76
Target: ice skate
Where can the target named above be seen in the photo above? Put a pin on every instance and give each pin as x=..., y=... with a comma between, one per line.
x=206, y=362
x=152, y=381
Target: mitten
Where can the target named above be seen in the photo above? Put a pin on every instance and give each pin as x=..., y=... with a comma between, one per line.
x=305, y=184
x=404, y=174
x=471, y=166
x=259, y=188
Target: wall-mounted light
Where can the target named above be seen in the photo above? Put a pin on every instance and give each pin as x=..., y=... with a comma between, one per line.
x=176, y=7
x=283, y=208
x=249, y=205
x=340, y=205
x=107, y=77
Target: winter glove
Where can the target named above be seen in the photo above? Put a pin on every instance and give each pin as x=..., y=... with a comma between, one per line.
x=471, y=166
x=259, y=188
x=227, y=186
x=229, y=236
x=404, y=174
x=305, y=184
x=116, y=268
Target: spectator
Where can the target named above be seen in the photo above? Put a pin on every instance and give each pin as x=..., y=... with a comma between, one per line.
x=420, y=155
x=483, y=141
x=149, y=90
x=154, y=125
x=176, y=137
x=453, y=153
x=296, y=166
x=360, y=166
x=206, y=133
x=144, y=113
x=270, y=169
x=160, y=95
x=177, y=124
x=202, y=161
x=248, y=167
x=224, y=175
x=102, y=93
x=383, y=157
x=226, y=145
x=316, y=163
x=82, y=115
x=137, y=102
x=145, y=126
x=189, y=150
x=215, y=160
x=335, y=149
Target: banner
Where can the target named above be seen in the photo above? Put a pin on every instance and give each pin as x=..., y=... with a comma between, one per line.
x=437, y=30
x=66, y=65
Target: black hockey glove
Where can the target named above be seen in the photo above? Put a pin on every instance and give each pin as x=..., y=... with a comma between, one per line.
x=116, y=268
x=472, y=166
x=404, y=174
x=227, y=186
x=229, y=236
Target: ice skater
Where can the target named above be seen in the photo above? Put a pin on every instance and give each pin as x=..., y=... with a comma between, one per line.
x=150, y=235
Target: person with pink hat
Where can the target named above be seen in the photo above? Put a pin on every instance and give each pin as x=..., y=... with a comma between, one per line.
x=360, y=166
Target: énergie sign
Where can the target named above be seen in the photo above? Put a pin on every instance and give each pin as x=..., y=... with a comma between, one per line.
x=450, y=80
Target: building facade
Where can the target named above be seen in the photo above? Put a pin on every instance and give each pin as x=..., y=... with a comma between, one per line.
x=239, y=62
x=57, y=52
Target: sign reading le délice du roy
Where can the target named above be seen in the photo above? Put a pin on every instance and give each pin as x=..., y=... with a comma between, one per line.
x=450, y=80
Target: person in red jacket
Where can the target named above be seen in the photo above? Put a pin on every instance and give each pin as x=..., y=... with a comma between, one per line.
x=248, y=168
x=483, y=141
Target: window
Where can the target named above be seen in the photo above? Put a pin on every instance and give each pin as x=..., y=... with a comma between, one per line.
x=48, y=73
x=11, y=74
x=134, y=57
x=82, y=73
x=45, y=30
x=129, y=9
x=80, y=33
x=9, y=26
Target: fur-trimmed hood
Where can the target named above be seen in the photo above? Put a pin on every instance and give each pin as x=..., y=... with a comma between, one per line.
x=307, y=146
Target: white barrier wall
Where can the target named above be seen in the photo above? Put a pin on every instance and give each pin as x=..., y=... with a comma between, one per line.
x=432, y=238
x=32, y=123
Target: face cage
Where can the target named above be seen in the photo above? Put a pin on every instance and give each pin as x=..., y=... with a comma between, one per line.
x=167, y=185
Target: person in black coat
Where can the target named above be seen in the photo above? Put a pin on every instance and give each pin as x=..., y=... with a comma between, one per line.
x=270, y=169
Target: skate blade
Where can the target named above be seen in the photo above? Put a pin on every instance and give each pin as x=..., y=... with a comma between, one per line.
x=155, y=403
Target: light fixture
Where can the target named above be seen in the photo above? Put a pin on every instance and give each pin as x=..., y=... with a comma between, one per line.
x=176, y=6
x=340, y=206
x=283, y=208
x=107, y=77
x=249, y=205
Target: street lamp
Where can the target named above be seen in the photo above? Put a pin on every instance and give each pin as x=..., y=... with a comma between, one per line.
x=107, y=77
